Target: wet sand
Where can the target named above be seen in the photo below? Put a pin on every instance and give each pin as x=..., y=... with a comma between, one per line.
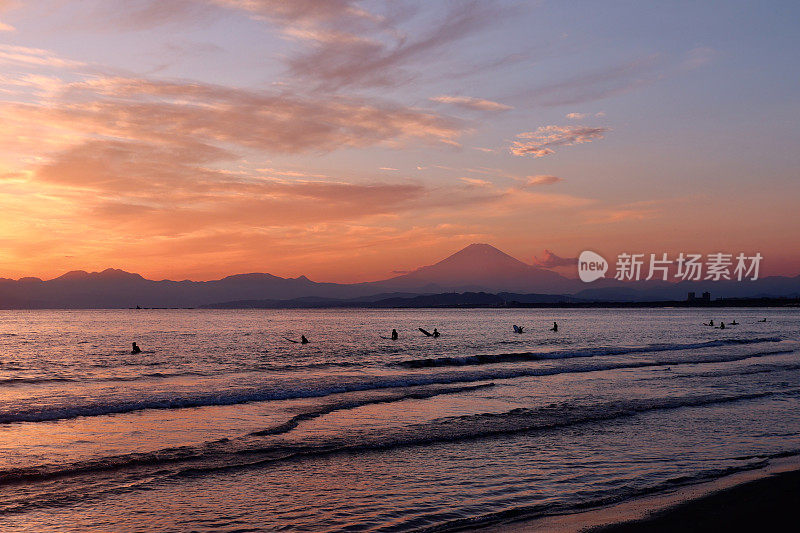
x=762, y=505
x=760, y=500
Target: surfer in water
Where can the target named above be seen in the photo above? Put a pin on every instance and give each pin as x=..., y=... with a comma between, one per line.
x=763, y=320
x=135, y=349
x=394, y=335
x=734, y=323
x=555, y=327
x=722, y=325
x=303, y=339
x=518, y=329
x=435, y=333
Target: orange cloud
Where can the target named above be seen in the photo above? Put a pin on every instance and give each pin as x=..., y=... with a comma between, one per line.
x=189, y=113
x=4, y=6
x=476, y=182
x=171, y=192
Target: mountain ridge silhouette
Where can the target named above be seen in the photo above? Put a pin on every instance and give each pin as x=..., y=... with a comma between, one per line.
x=478, y=267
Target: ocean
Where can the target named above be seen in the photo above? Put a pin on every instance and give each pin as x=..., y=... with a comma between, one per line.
x=222, y=424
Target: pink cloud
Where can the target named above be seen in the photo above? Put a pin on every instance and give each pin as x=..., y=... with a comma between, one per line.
x=467, y=102
x=598, y=84
x=540, y=143
x=551, y=260
x=475, y=182
x=377, y=55
x=542, y=179
x=33, y=57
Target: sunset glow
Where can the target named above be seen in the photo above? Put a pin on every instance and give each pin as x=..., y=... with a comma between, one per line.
x=347, y=141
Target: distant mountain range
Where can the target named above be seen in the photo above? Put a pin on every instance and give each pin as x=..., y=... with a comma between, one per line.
x=476, y=268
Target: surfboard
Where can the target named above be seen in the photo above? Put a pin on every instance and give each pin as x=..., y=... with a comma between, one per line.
x=427, y=333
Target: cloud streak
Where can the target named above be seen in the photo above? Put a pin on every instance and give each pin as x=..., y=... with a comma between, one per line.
x=541, y=142
x=379, y=56
x=467, y=102
x=542, y=179
x=192, y=113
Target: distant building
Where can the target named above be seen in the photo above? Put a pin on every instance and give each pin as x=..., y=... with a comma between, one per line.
x=704, y=299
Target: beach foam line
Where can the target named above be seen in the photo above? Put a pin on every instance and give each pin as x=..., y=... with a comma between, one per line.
x=223, y=398
x=188, y=453
x=251, y=451
x=30, y=381
x=568, y=354
x=470, y=427
x=352, y=404
x=102, y=379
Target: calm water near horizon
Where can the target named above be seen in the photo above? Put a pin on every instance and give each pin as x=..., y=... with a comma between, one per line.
x=222, y=424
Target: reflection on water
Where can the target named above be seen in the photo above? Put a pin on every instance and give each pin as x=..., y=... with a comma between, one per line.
x=222, y=424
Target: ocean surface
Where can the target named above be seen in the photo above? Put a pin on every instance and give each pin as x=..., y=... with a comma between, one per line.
x=222, y=424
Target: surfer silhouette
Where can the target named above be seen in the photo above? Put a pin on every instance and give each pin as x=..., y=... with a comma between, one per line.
x=135, y=348
x=435, y=333
x=555, y=327
x=303, y=339
x=394, y=335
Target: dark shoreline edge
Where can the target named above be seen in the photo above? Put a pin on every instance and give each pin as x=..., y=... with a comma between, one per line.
x=771, y=303
x=483, y=300
x=765, y=504
x=760, y=499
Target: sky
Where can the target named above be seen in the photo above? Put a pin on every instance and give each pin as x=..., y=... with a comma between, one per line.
x=350, y=141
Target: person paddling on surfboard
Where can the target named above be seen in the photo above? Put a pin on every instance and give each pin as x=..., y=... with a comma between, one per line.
x=394, y=335
x=135, y=349
x=555, y=327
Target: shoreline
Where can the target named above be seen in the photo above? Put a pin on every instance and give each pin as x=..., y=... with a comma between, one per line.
x=746, y=500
